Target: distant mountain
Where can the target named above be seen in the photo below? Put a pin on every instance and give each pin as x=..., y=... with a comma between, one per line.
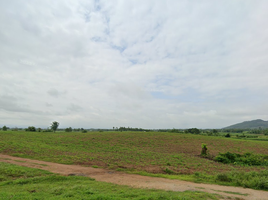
x=254, y=124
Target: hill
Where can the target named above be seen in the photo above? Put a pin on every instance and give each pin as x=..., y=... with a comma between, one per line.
x=254, y=124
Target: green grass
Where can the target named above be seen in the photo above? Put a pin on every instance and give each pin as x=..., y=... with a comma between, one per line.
x=170, y=155
x=228, y=192
x=11, y=172
x=27, y=183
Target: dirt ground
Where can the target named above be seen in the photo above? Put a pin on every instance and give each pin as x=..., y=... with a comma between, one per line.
x=138, y=181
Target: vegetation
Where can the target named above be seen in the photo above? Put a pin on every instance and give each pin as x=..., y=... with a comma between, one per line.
x=31, y=128
x=248, y=159
x=54, y=126
x=193, y=131
x=204, y=150
x=255, y=180
x=4, y=128
x=18, y=182
x=162, y=154
x=69, y=129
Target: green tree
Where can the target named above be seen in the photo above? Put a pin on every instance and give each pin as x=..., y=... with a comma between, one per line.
x=31, y=128
x=194, y=131
x=54, y=126
x=4, y=128
x=69, y=129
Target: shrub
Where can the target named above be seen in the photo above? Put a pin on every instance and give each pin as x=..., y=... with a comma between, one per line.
x=223, y=177
x=228, y=135
x=168, y=171
x=31, y=128
x=204, y=150
x=244, y=159
x=69, y=129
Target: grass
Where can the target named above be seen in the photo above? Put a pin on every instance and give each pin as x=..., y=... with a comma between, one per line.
x=27, y=183
x=228, y=192
x=170, y=155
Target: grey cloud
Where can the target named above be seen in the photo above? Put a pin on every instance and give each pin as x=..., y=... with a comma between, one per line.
x=74, y=108
x=49, y=105
x=55, y=93
x=11, y=104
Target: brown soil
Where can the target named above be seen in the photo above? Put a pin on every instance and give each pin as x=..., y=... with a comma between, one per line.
x=137, y=181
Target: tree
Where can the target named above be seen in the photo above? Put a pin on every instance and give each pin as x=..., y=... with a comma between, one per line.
x=193, y=131
x=54, y=126
x=4, y=128
x=31, y=128
x=69, y=129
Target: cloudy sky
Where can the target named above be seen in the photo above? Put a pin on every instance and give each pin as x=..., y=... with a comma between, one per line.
x=136, y=63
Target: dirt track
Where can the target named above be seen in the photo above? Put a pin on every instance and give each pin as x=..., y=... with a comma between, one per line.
x=136, y=181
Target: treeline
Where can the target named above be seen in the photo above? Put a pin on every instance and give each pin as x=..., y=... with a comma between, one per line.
x=129, y=129
x=250, y=131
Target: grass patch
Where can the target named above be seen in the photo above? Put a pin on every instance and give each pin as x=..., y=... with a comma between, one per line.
x=11, y=172
x=255, y=180
x=228, y=192
x=20, y=161
x=40, y=164
x=49, y=186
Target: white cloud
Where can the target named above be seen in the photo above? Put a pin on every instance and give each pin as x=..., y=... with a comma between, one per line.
x=146, y=64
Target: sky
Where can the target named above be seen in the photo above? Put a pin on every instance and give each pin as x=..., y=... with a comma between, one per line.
x=135, y=63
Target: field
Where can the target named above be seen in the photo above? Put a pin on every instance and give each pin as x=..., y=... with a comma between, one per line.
x=171, y=155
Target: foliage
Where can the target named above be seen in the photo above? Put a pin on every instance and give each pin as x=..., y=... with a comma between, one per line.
x=130, y=129
x=253, y=179
x=228, y=135
x=4, y=128
x=176, y=131
x=31, y=128
x=204, y=150
x=244, y=159
x=69, y=129
x=54, y=126
x=193, y=131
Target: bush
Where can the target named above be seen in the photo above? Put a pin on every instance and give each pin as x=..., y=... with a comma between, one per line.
x=31, y=128
x=256, y=180
x=228, y=135
x=223, y=177
x=193, y=131
x=244, y=159
x=204, y=150
x=69, y=129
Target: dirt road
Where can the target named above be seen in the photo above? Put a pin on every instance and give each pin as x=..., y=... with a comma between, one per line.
x=137, y=181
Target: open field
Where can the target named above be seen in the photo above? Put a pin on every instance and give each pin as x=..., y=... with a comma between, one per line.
x=171, y=154
x=18, y=182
